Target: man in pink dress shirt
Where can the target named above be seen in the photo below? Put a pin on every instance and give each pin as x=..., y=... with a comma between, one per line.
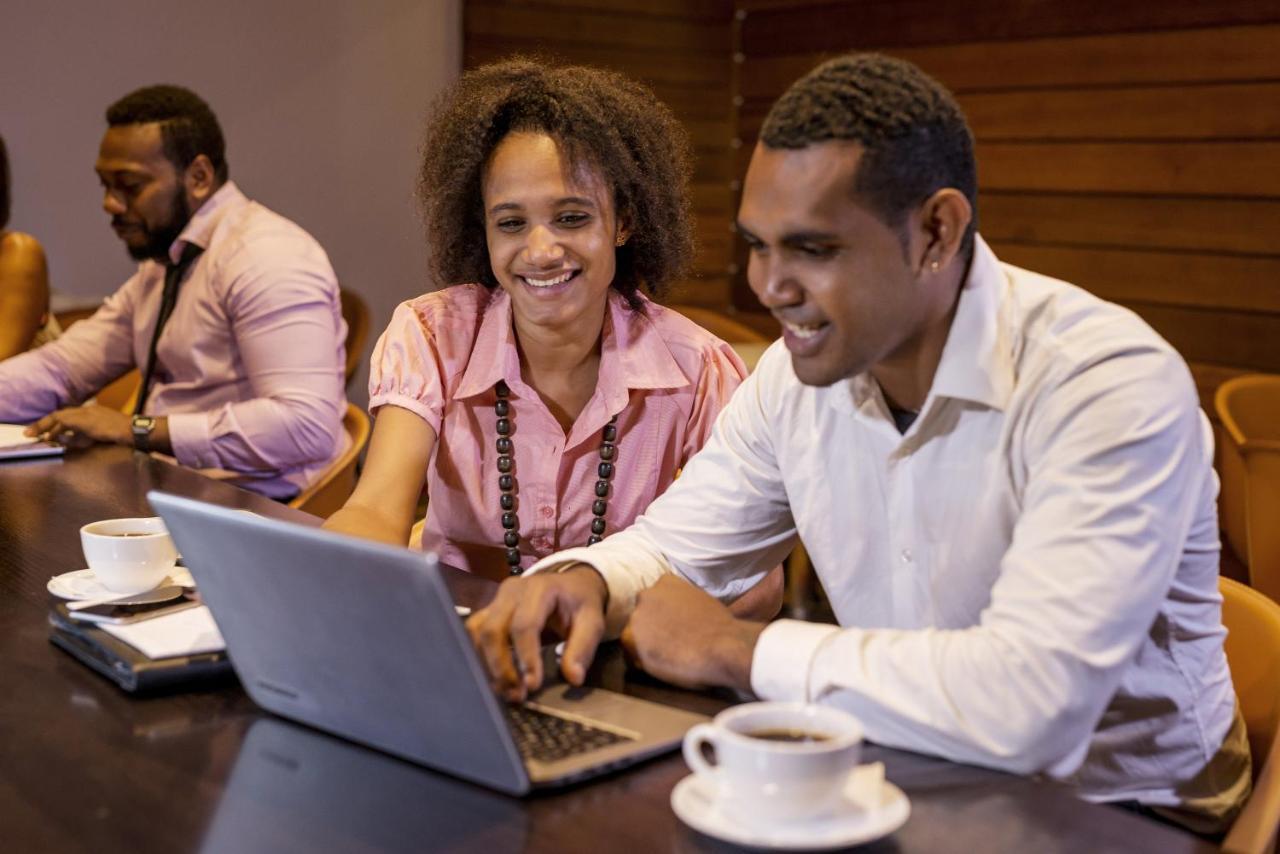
x=246, y=375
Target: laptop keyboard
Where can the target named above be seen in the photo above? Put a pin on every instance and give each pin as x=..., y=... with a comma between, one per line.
x=548, y=738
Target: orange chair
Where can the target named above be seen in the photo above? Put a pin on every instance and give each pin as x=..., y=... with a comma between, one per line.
x=334, y=487
x=1249, y=408
x=1253, y=654
x=356, y=313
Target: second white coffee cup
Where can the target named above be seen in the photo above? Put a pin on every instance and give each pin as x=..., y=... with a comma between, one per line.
x=128, y=555
x=776, y=761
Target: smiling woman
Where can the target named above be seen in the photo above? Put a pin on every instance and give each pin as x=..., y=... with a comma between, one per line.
x=547, y=399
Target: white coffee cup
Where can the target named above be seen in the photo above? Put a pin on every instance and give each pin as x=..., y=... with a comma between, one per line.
x=128, y=555
x=758, y=775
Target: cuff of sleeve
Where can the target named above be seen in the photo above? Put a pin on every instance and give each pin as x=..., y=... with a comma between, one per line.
x=417, y=407
x=783, y=657
x=190, y=440
x=622, y=588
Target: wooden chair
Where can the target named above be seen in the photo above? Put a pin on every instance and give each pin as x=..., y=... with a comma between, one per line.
x=355, y=311
x=1253, y=654
x=1249, y=408
x=334, y=487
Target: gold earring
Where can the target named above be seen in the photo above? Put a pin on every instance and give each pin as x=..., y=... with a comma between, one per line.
x=933, y=266
x=622, y=240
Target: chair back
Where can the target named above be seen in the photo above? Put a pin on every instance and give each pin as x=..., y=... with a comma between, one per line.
x=1253, y=654
x=355, y=311
x=332, y=489
x=1249, y=408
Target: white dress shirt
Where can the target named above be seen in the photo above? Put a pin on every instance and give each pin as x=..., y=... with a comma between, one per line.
x=1026, y=579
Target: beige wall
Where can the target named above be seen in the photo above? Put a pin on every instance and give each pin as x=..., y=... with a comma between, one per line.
x=321, y=103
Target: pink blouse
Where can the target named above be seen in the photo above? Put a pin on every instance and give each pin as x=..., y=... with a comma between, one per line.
x=665, y=377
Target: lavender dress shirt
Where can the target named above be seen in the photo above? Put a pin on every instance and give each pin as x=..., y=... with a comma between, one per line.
x=249, y=368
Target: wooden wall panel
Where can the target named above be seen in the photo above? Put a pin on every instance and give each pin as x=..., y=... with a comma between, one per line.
x=1133, y=149
x=837, y=25
x=681, y=49
x=1165, y=56
x=1180, y=223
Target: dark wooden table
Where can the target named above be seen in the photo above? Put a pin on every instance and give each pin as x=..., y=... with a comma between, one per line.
x=85, y=767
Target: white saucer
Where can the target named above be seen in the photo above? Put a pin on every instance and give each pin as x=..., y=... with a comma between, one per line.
x=862, y=817
x=83, y=584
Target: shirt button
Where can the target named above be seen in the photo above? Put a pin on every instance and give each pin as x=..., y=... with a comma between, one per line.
x=906, y=555
x=546, y=511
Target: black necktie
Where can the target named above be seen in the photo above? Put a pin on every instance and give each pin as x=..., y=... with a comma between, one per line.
x=172, y=279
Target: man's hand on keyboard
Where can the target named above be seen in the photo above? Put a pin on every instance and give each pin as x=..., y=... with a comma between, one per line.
x=508, y=632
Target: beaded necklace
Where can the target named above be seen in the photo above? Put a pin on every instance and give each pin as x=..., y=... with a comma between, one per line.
x=507, y=481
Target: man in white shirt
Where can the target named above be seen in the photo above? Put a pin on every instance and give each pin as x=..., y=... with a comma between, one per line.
x=1004, y=484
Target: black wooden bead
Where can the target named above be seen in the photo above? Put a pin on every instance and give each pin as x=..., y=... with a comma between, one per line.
x=502, y=408
x=501, y=388
x=510, y=522
x=606, y=452
x=504, y=463
x=610, y=433
x=507, y=501
x=602, y=488
x=597, y=526
x=504, y=445
x=511, y=539
x=506, y=482
x=504, y=427
x=593, y=539
x=516, y=571
x=605, y=470
x=513, y=557
x=599, y=506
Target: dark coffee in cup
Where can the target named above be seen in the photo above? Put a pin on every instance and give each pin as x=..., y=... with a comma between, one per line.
x=132, y=534
x=791, y=735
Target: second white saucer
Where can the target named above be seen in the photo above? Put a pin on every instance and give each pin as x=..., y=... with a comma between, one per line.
x=83, y=584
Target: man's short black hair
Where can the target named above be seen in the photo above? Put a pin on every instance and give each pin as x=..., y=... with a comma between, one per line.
x=188, y=128
x=4, y=184
x=914, y=136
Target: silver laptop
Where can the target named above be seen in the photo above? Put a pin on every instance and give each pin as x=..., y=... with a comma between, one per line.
x=362, y=640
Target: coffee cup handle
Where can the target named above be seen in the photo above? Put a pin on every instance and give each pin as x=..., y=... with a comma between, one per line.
x=694, y=741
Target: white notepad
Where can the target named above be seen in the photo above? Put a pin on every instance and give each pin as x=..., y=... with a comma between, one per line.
x=188, y=632
x=14, y=445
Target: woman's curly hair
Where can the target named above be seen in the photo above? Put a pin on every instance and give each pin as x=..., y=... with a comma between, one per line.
x=599, y=119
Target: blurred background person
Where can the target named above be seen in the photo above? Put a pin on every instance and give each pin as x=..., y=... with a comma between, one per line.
x=25, y=320
x=232, y=318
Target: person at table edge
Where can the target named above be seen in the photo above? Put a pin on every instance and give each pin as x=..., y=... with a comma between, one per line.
x=1004, y=484
x=248, y=371
x=25, y=320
